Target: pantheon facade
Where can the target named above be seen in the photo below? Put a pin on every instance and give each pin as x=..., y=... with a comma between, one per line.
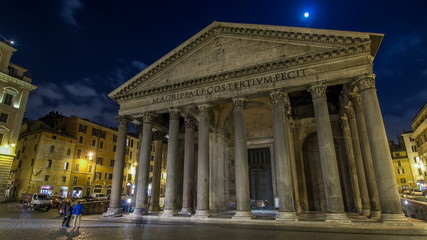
x=264, y=116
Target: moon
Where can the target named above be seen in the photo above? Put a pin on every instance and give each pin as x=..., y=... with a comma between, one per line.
x=306, y=14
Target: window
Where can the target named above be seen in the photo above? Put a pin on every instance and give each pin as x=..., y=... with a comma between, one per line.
x=88, y=181
x=131, y=143
x=35, y=147
x=402, y=180
x=112, y=163
x=79, y=153
x=114, y=148
x=77, y=167
x=8, y=99
x=90, y=169
x=93, y=143
x=81, y=139
x=420, y=172
x=105, y=175
x=52, y=149
x=82, y=128
x=46, y=178
x=101, y=144
x=99, y=160
x=130, y=155
x=401, y=171
x=74, y=180
x=3, y=117
x=399, y=163
x=1, y=138
x=32, y=162
x=49, y=163
x=414, y=148
x=19, y=164
x=110, y=176
x=64, y=179
x=68, y=152
x=129, y=177
x=53, y=137
x=66, y=166
x=114, y=138
x=97, y=176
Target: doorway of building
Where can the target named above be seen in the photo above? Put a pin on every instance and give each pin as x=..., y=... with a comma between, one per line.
x=260, y=179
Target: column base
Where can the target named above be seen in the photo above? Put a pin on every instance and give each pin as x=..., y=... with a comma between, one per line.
x=169, y=213
x=154, y=209
x=243, y=215
x=366, y=212
x=140, y=211
x=286, y=216
x=186, y=211
x=375, y=215
x=337, y=218
x=112, y=211
x=394, y=219
x=201, y=214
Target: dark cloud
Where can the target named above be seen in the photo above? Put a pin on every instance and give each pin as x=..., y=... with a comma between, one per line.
x=68, y=11
x=79, y=90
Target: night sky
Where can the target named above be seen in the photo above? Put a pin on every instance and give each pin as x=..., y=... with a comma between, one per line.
x=78, y=51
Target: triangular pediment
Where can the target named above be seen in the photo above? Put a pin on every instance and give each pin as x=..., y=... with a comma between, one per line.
x=221, y=48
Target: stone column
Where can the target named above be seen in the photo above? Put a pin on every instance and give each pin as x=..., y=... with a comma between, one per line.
x=203, y=163
x=188, y=186
x=351, y=162
x=361, y=177
x=157, y=172
x=119, y=161
x=328, y=159
x=366, y=156
x=282, y=156
x=241, y=161
x=141, y=204
x=386, y=181
x=170, y=208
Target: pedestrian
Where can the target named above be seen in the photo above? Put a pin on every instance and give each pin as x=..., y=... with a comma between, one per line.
x=77, y=212
x=68, y=210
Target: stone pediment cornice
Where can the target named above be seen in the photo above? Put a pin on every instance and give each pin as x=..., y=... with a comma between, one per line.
x=6, y=78
x=294, y=62
x=302, y=35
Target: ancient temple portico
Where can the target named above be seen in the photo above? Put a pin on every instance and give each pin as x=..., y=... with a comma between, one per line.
x=262, y=117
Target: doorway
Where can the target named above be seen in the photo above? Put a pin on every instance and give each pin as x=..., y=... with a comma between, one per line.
x=260, y=179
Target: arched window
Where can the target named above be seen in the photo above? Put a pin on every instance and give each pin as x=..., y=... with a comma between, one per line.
x=49, y=163
x=52, y=149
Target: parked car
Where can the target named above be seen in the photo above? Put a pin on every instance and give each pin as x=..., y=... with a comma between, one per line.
x=99, y=196
x=417, y=192
x=37, y=201
x=407, y=191
x=56, y=200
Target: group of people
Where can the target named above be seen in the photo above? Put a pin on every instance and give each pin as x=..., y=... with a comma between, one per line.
x=68, y=211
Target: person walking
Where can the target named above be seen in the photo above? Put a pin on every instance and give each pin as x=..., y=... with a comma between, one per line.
x=77, y=212
x=67, y=215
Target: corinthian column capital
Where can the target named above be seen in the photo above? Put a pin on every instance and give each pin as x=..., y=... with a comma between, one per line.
x=148, y=117
x=239, y=102
x=365, y=81
x=189, y=122
x=123, y=119
x=204, y=108
x=317, y=90
x=174, y=113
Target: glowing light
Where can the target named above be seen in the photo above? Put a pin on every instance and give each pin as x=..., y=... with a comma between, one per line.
x=90, y=155
x=306, y=14
x=12, y=42
x=416, y=165
x=13, y=145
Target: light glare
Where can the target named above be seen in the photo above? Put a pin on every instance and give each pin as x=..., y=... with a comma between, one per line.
x=306, y=14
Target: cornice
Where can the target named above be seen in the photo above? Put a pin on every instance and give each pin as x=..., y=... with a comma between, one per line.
x=23, y=84
x=251, y=32
x=282, y=64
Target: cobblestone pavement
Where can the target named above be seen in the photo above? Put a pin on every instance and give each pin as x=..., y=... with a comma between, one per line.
x=19, y=223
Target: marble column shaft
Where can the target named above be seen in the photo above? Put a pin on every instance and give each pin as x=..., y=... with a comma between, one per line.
x=361, y=177
x=241, y=161
x=386, y=181
x=328, y=159
x=119, y=161
x=157, y=172
x=366, y=156
x=170, y=208
x=141, y=205
x=351, y=164
x=203, y=162
x=282, y=155
x=189, y=165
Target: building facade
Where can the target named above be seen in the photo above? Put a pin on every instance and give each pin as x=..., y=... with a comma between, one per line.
x=419, y=128
x=418, y=166
x=402, y=165
x=261, y=114
x=15, y=86
x=70, y=156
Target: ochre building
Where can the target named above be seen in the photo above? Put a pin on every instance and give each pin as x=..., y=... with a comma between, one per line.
x=263, y=116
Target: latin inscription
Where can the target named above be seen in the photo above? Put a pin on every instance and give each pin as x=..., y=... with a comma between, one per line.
x=231, y=86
